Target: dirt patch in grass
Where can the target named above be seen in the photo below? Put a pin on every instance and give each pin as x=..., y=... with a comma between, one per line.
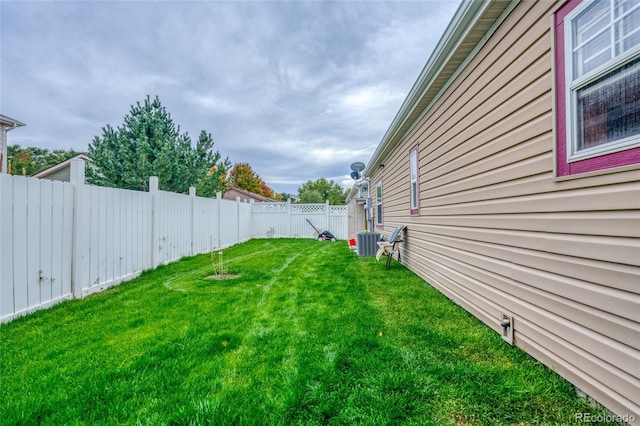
x=222, y=277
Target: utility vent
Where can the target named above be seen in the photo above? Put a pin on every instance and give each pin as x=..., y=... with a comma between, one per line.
x=507, y=327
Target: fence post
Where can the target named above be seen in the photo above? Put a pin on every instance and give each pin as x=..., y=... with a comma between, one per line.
x=289, y=216
x=218, y=208
x=252, y=232
x=192, y=195
x=237, y=220
x=81, y=240
x=7, y=291
x=328, y=215
x=155, y=221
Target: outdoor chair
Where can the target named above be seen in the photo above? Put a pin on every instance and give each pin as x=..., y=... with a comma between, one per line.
x=388, y=248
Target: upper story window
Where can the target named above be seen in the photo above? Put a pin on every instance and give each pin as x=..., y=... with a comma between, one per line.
x=598, y=85
x=413, y=188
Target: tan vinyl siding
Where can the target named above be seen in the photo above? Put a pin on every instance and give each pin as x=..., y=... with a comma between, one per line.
x=498, y=233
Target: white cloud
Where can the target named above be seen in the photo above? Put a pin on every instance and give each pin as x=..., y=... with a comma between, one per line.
x=298, y=90
x=217, y=105
x=370, y=97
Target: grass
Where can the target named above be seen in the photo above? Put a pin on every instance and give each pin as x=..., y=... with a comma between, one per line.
x=308, y=333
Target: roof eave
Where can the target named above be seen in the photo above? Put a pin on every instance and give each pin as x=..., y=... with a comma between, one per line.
x=10, y=122
x=445, y=61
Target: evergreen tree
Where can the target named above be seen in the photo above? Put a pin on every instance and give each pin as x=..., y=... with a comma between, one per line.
x=210, y=172
x=150, y=144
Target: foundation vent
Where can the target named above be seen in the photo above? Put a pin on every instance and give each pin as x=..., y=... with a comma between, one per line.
x=507, y=327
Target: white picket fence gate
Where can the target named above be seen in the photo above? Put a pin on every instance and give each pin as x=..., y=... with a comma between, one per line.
x=63, y=240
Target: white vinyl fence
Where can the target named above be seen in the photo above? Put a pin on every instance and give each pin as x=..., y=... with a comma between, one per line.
x=274, y=220
x=61, y=240
x=36, y=229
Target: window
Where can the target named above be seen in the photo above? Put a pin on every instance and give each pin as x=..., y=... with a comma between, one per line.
x=598, y=85
x=379, y=203
x=413, y=188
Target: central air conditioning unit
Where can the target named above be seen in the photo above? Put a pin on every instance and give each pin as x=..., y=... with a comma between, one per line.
x=363, y=190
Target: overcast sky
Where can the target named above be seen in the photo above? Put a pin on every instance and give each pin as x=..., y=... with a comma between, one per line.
x=297, y=89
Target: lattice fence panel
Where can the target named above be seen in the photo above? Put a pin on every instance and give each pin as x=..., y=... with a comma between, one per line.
x=308, y=208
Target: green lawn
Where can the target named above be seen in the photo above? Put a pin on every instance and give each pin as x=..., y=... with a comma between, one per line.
x=308, y=333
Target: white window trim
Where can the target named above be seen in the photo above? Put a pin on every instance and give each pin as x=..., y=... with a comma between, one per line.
x=379, y=218
x=572, y=86
x=413, y=180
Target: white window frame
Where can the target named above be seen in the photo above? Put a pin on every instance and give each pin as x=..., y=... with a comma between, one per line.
x=379, y=213
x=572, y=85
x=414, y=192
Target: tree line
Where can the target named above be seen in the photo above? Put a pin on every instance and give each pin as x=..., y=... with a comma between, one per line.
x=148, y=143
x=29, y=161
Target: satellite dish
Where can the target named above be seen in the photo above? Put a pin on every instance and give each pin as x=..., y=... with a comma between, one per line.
x=357, y=166
x=355, y=175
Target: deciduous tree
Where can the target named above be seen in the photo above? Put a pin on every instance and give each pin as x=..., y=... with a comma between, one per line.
x=320, y=190
x=31, y=160
x=242, y=176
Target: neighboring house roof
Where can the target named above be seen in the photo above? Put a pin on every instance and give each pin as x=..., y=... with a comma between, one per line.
x=60, y=171
x=10, y=122
x=469, y=29
x=6, y=124
x=244, y=195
